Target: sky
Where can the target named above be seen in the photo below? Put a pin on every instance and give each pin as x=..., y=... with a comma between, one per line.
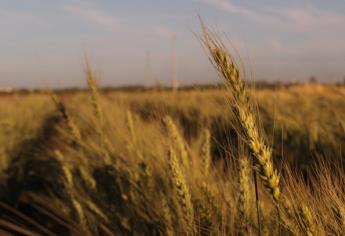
x=129, y=42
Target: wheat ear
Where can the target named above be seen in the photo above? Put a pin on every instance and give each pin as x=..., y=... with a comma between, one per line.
x=72, y=127
x=307, y=221
x=209, y=208
x=290, y=214
x=206, y=152
x=130, y=127
x=94, y=92
x=245, y=113
x=100, y=129
x=70, y=188
x=177, y=140
x=182, y=190
x=244, y=202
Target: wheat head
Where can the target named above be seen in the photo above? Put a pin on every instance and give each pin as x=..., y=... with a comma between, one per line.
x=177, y=140
x=244, y=111
x=206, y=152
x=182, y=190
x=94, y=92
x=72, y=126
x=307, y=221
x=130, y=127
x=244, y=201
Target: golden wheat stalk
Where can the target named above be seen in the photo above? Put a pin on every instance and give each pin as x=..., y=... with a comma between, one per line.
x=308, y=222
x=133, y=143
x=208, y=207
x=130, y=127
x=206, y=152
x=177, y=140
x=244, y=201
x=70, y=188
x=167, y=218
x=80, y=212
x=94, y=92
x=72, y=126
x=95, y=209
x=87, y=177
x=100, y=128
x=289, y=213
x=340, y=214
x=245, y=113
x=66, y=169
x=182, y=190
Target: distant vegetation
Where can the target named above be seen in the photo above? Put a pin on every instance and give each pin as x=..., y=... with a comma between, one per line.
x=223, y=160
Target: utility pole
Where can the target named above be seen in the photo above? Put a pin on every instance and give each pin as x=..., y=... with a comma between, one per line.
x=174, y=81
x=148, y=75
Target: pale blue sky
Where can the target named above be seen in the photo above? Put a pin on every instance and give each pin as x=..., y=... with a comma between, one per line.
x=42, y=41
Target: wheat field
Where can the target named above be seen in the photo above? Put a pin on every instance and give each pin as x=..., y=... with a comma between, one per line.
x=231, y=160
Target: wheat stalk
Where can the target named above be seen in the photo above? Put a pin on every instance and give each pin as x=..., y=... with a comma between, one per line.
x=182, y=190
x=206, y=152
x=70, y=188
x=94, y=92
x=244, y=202
x=65, y=168
x=130, y=127
x=290, y=215
x=307, y=221
x=208, y=208
x=177, y=140
x=106, y=144
x=80, y=212
x=167, y=217
x=87, y=177
x=245, y=113
x=72, y=126
x=340, y=214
